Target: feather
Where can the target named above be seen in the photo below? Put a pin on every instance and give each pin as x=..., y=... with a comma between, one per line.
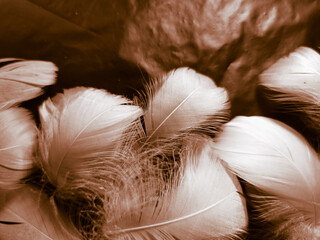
x=23, y=80
x=81, y=130
x=35, y=215
x=184, y=99
x=298, y=70
x=293, y=85
x=198, y=200
x=278, y=161
x=7, y=60
x=17, y=142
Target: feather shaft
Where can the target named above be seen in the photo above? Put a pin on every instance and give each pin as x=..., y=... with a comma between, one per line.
x=37, y=213
x=278, y=161
x=173, y=220
x=189, y=206
x=171, y=113
x=183, y=100
x=73, y=141
x=17, y=143
x=80, y=127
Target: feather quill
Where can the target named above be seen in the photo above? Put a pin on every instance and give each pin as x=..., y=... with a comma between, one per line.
x=182, y=100
x=293, y=85
x=199, y=200
x=85, y=133
x=277, y=160
x=17, y=143
x=23, y=80
x=81, y=129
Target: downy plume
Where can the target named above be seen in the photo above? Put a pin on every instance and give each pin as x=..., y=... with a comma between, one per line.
x=278, y=161
x=81, y=130
x=188, y=195
x=21, y=80
x=183, y=100
x=293, y=87
x=17, y=142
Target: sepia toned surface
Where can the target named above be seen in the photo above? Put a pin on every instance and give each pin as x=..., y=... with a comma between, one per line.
x=230, y=41
x=102, y=43
x=117, y=45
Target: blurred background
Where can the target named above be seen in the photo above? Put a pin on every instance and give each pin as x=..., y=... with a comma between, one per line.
x=118, y=45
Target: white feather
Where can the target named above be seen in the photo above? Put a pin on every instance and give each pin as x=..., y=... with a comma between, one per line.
x=81, y=129
x=17, y=143
x=294, y=82
x=200, y=200
x=23, y=80
x=277, y=160
x=301, y=69
x=296, y=77
x=182, y=100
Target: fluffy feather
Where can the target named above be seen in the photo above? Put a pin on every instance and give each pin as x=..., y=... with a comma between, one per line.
x=182, y=100
x=199, y=199
x=300, y=69
x=23, y=80
x=17, y=142
x=277, y=160
x=293, y=85
x=81, y=129
x=35, y=215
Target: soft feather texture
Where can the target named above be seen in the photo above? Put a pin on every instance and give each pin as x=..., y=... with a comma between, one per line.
x=184, y=99
x=85, y=132
x=81, y=129
x=294, y=88
x=22, y=80
x=35, y=216
x=277, y=160
x=299, y=70
x=187, y=194
x=17, y=143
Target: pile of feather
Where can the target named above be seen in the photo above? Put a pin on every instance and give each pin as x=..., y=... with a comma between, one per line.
x=170, y=164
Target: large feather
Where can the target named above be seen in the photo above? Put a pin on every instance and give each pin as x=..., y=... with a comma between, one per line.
x=17, y=143
x=184, y=99
x=24, y=79
x=198, y=200
x=81, y=129
x=277, y=160
x=293, y=85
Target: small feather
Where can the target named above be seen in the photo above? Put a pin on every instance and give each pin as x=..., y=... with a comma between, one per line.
x=35, y=215
x=182, y=100
x=277, y=160
x=23, y=80
x=198, y=200
x=17, y=143
x=293, y=85
x=82, y=128
x=298, y=70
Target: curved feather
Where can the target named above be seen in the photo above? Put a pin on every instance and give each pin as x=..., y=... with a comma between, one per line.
x=24, y=79
x=81, y=129
x=301, y=69
x=184, y=99
x=35, y=215
x=17, y=143
x=293, y=85
x=200, y=200
x=277, y=160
